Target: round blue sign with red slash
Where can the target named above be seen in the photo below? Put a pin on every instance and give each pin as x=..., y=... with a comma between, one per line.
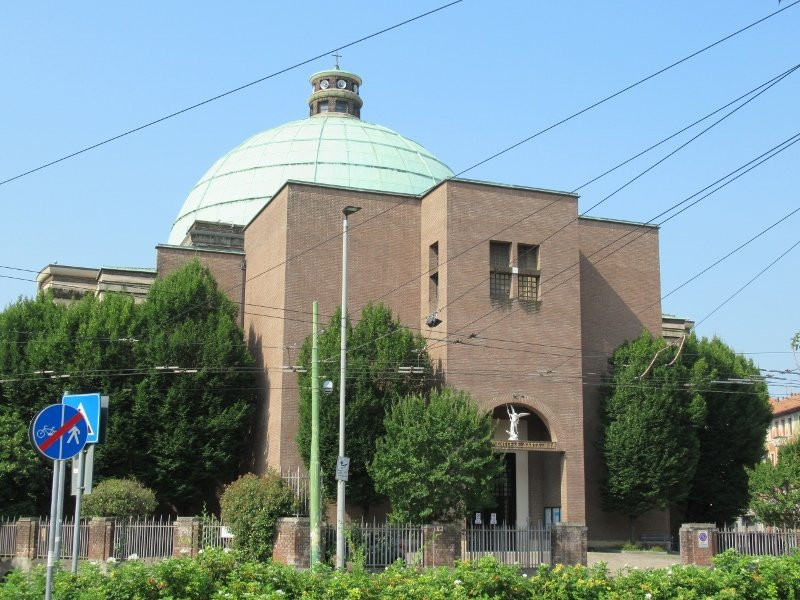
x=58, y=432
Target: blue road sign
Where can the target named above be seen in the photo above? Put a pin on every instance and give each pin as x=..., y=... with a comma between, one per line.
x=89, y=406
x=58, y=432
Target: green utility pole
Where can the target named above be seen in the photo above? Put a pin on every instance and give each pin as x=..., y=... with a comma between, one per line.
x=314, y=492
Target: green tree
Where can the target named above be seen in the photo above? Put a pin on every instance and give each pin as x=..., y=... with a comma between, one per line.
x=22, y=474
x=731, y=435
x=184, y=433
x=377, y=346
x=649, y=423
x=775, y=489
x=435, y=462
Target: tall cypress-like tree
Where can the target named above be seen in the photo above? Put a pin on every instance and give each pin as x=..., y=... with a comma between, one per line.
x=649, y=430
x=731, y=436
x=377, y=346
x=184, y=434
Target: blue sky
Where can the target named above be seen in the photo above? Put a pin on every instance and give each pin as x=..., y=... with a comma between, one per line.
x=465, y=83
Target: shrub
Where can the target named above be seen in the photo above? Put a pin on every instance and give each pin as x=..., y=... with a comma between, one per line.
x=119, y=498
x=251, y=506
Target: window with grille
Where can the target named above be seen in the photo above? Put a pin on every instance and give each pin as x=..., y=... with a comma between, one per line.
x=528, y=278
x=499, y=270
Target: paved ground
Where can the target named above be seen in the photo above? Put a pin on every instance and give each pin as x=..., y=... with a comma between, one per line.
x=643, y=560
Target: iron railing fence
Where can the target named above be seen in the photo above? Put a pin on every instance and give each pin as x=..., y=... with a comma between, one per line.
x=143, y=538
x=524, y=546
x=8, y=537
x=211, y=533
x=67, y=533
x=774, y=543
x=381, y=543
x=297, y=480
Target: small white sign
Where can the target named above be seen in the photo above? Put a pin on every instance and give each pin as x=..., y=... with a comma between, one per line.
x=702, y=538
x=478, y=519
x=225, y=533
x=342, y=468
x=493, y=519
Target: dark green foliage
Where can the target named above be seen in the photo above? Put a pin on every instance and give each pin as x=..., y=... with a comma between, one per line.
x=649, y=434
x=732, y=434
x=377, y=346
x=215, y=574
x=22, y=473
x=775, y=489
x=182, y=434
x=119, y=498
x=435, y=462
x=251, y=506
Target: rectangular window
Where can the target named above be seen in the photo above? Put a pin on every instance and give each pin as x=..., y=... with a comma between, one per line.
x=528, y=278
x=790, y=426
x=528, y=287
x=433, y=257
x=552, y=514
x=528, y=257
x=323, y=106
x=341, y=106
x=500, y=270
x=433, y=293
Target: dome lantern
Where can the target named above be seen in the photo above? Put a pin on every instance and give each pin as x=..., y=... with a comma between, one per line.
x=335, y=91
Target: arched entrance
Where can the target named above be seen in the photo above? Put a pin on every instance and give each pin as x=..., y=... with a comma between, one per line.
x=529, y=491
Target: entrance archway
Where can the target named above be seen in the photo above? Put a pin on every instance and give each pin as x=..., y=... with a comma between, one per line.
x=529, y=490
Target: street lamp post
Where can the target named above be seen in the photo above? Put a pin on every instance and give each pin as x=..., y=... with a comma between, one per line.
x=340, y=490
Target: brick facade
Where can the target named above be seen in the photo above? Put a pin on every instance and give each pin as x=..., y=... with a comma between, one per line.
x=292, y=544
x=545, y=357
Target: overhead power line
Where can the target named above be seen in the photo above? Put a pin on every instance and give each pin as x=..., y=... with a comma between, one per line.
x=235, y=90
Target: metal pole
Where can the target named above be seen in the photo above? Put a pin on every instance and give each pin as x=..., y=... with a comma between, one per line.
x=313, y=474
x=59, y=511
x=340, y=489
x=51, y=534
x=76, y=531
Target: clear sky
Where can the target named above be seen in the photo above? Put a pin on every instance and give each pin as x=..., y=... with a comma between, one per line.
x=475, y=78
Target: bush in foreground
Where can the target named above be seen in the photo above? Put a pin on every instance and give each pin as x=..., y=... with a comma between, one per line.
x=251, y=506
x=119, y=498
x=214, y=575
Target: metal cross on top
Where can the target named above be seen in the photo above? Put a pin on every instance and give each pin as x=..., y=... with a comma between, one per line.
x=336, y=56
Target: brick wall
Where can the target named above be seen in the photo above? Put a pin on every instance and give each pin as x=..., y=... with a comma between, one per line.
x=698, y=543
x=292, y=545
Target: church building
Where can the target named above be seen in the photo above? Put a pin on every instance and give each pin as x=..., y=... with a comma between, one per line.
x=521, y=301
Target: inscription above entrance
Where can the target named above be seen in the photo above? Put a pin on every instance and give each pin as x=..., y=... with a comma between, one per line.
x=523, y=445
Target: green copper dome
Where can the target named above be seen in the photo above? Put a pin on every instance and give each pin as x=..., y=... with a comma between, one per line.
x=331, y=148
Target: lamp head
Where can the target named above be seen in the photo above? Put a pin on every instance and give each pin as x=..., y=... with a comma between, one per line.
x=349, y=210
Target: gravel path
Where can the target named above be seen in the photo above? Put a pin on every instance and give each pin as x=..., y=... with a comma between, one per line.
x=643, y=560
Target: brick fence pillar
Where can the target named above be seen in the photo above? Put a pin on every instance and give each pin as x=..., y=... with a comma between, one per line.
x=698, y=543
x=292, y=543
x=441, y=545
x=27, y=541
x=568, y=544
x=186, y=536
x=101, y=538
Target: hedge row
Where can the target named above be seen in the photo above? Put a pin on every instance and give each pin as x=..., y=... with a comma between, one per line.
x=215, y=575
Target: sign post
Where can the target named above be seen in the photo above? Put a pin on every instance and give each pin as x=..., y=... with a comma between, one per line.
x=58, y=432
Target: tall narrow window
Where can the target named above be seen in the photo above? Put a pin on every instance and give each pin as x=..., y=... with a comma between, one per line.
x=433, y=284
x=528, y=277
x=500, y=270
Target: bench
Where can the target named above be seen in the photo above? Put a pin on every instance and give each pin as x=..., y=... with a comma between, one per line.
x=656, y=539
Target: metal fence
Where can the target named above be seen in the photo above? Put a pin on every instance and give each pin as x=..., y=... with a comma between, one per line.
x=382, y=543
x=8, y=537
x=143, y=538
x=213, y=534
x=67, y=533
x=523, y=546
x=297, y=480
x=775, y=543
